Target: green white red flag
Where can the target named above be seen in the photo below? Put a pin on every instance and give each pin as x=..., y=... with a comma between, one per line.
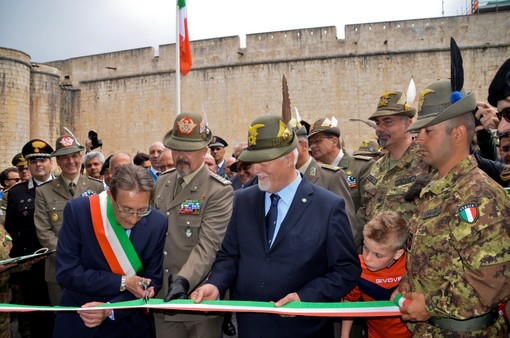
x=184, y=44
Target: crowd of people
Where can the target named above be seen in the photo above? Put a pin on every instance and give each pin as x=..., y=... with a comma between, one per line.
x=421, y=210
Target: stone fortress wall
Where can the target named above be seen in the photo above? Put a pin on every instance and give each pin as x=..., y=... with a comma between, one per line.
x=128, y=97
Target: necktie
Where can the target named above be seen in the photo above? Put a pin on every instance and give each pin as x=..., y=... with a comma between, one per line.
x=71, y=188
x=178, y=186
x=271, y=218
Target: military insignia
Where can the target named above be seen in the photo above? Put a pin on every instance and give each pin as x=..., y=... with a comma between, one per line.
x=38, y=145
x=384, y=99
x=88, y=193
x=351, y=181
x=186, y=125
x=54, y=217
x=188, y=232
x=252, y=133
x=406, y=180
x=372, y=179
x=190, y=207
x=202, y=197
x=469, y=212
x=422, y=97
x=313, y=171
x=67, y=141
x=283, y=131
x=431, y=213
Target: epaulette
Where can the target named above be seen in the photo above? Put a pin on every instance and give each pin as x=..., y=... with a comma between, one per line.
x=95, y=179
x=364, y=158
x=330, y=167
x=221, y=179
x=167, y=171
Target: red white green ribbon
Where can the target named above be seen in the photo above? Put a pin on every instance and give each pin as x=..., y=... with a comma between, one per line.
x=113, y=240
x=340, y=309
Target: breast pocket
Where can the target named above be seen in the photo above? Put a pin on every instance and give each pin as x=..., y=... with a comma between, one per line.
x=189, y=229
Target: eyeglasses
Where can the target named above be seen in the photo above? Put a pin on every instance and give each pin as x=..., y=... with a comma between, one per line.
x=318, y=139
x=504, y=113
x=14, y=179
x=130, y=213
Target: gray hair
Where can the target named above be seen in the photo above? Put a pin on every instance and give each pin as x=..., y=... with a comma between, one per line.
x=94, y=154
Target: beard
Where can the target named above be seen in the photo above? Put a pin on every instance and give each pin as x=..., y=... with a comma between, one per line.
x=183, y=167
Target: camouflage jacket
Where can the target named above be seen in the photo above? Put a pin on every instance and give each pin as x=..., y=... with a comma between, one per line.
x=385, y=188
x=460, y=252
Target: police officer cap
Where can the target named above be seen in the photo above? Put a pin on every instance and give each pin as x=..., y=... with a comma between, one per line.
x=500, y=85
x=36, y=148
x=189, y=133
x=438, y=103
x=324, y=125
x=268, y=139
x=18, y=160
x=217, y=141
x=65, y=145
x=393, y=103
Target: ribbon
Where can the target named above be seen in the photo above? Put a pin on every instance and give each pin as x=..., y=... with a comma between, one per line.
x=340, y=309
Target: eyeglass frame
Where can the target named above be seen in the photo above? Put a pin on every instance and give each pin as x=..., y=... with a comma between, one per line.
x=318, y=139
x=130, y=213
x=504, y=114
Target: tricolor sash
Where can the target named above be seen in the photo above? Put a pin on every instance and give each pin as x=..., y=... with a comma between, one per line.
x=112, y=238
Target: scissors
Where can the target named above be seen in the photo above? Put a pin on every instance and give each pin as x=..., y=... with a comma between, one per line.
x=145, y=285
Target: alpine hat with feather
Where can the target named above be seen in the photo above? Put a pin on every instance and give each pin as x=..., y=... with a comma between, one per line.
x=444, y=100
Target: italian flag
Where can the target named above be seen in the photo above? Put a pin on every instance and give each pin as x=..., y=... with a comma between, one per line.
x=184, y=45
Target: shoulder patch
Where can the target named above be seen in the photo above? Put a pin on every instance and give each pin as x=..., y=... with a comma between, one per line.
x=221, y=179
x=167, y=171
x=364, y=158
x=330, y=167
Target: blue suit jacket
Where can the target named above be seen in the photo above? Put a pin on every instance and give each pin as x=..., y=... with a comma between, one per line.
x=313, y=254
x=85, y=275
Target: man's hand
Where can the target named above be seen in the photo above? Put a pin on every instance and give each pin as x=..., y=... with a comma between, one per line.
x=134, y=285
x=178, y=288
x=287, y=299
x=93, y=318
x=205, y=292
x=487, y=116
x=415, y=310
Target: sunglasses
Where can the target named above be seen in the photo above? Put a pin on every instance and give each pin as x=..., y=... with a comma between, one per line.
x=14, y=179
x=504, y=113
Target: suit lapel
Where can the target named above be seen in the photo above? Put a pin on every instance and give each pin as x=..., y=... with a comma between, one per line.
x=60, y=188
x=299, y=204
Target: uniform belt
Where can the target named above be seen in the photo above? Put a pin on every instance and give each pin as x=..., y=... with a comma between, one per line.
x=466, y=325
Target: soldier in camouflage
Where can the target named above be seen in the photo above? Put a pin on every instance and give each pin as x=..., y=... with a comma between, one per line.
x=393, y=175
x=458, y=267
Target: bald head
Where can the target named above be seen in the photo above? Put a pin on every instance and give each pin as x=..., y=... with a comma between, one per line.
x=118, y=160
x=155, y=151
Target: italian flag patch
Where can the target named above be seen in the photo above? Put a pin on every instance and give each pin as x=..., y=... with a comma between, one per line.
x=469, y=212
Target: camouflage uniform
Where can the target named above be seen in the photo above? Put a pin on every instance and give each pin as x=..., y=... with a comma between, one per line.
x=5, y=291
x=385, y=188
x=460, y=253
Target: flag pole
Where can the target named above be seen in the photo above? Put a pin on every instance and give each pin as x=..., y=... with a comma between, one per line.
x=177, y=63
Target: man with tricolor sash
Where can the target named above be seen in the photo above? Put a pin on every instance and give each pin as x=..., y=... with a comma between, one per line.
x=110, y=249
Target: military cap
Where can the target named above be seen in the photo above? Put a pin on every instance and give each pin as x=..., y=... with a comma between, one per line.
x=499, y=88
x=369, y=148
x=324, y=125
x=393, y=103
x=217, y=141
x=18, y=160
x=189, y=133
x=268, y=139
x=106, y=165
x=65, y=145
x=438, y=103
x=36, y=148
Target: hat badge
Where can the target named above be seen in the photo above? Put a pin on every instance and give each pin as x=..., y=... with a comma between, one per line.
x=186, y=125
x=283, y=132
x=252, y=137
x=38, y=145
x=67, y=141
x=422, y=97
x=384, y=99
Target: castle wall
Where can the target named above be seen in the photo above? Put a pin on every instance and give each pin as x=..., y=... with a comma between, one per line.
x=128, y=97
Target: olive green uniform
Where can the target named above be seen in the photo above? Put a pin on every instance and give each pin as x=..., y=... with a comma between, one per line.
x=460, y=251
x=50, y=200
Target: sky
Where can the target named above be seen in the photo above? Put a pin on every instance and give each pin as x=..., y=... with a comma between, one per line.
x=50, y=30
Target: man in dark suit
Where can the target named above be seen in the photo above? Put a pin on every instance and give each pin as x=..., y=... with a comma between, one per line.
x=288, y=240
x=118, y=221
x=19, y=222
x=51, y=197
